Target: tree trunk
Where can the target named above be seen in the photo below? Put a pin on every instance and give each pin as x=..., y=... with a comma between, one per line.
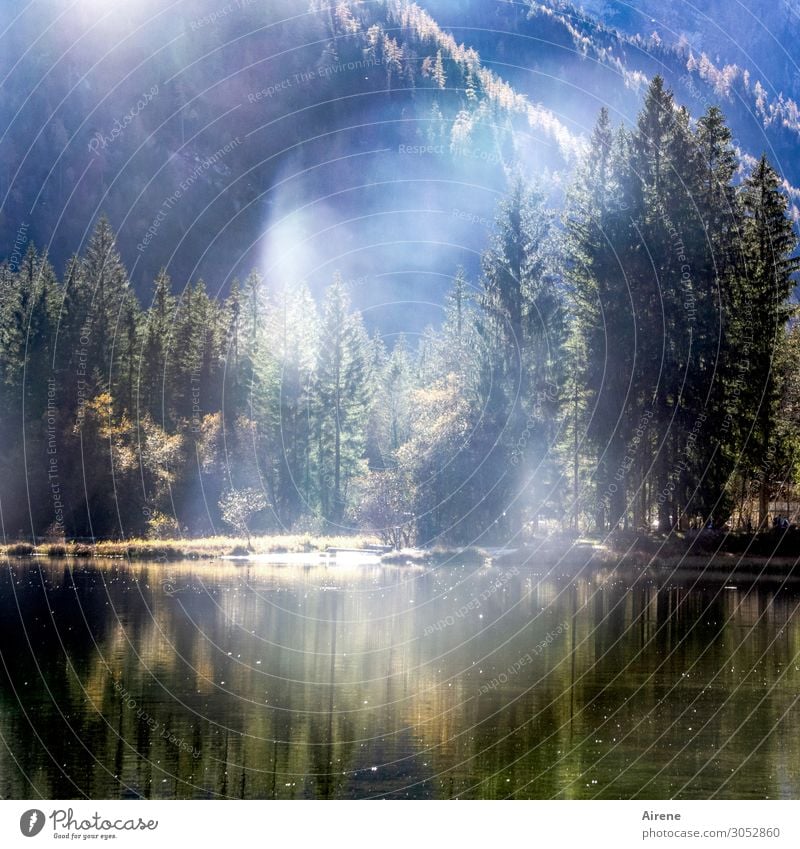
x=763, y=506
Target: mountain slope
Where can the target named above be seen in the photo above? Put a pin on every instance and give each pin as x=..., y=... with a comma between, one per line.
x=371, y=138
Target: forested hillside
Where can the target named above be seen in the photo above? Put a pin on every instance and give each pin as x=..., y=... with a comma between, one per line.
x=626, y=361
x=230, y=104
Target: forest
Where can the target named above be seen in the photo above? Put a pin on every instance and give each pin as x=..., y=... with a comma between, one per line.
x=630, y=361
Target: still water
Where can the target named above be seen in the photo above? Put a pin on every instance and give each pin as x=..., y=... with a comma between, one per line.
x=209, y=680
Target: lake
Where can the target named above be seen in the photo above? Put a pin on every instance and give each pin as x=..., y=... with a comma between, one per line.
x=213, y=680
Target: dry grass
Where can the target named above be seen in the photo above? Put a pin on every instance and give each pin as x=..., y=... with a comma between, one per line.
x=205, y=548
x=579, y=553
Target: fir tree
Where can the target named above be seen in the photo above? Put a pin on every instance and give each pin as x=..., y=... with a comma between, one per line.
x=341, y=394
x=769, y=245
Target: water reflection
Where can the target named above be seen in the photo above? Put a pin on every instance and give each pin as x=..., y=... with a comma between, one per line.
x=202, y=680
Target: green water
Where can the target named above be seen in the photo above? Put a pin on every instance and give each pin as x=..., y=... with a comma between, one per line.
x=202, y=680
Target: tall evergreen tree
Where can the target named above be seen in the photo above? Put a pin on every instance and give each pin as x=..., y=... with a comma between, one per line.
x=101, y=290
x=157, y=367
x=769, y=247
x=523, y=331
x=282, y=404
x=341, y=390
x=597, y=248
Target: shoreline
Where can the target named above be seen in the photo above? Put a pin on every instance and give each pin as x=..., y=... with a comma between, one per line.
x=567, y=554
x=201, y=548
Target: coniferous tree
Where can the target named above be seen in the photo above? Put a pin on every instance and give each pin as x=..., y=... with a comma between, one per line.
x=523, y=331
x=597, y=249
x=156, y=367
x=101, y=290
x=282, y=403
x=341, y=399
x=769, y=245
x=710, y=279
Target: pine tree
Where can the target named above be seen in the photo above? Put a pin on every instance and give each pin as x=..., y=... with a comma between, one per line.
x=282, y=404
x=390, y=397
x=156, y=367
x=100, y=295
x=523, y=331
x=597, y=248
x=769, y=246
x=710, y=280
x=341, y=392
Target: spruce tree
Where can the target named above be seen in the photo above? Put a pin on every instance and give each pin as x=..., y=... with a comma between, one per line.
x=522, y=327
x=341, y=390
x=769, y=244
x=597, y=248
x=157, y=367
x=98, y=301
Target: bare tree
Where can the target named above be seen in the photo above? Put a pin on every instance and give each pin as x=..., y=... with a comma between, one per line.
x=238, y=506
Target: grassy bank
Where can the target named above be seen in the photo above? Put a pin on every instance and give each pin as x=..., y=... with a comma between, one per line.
x=205, y=548
x=566, y=551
